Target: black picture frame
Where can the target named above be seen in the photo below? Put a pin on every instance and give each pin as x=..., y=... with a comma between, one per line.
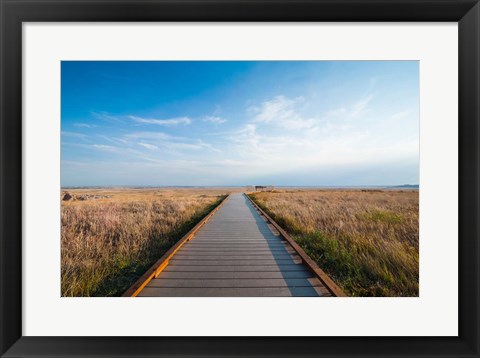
x=14, y=12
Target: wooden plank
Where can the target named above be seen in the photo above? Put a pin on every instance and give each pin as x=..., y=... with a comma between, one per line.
x=232, y=292
x=243, y=236
x=235, y=252
x=254, y=256
x=237, y=244
x=237, y=268
x=219, y=240
x=240, y=242
x=235, y=249
x=235, y=232
x=201, y=243
x=240, y=247
x=181, y=262
x=243, y=283
x=237, y=256
x=234, y=275
x=239, y=251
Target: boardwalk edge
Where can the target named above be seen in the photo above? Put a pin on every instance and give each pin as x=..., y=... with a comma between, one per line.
x=162, y=263
x=312, y=265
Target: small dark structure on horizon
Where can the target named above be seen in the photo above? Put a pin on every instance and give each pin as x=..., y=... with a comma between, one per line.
x=263, y=187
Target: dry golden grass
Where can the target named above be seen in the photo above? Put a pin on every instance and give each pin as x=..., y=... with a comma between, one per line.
x=367, y=241
x=108, y=242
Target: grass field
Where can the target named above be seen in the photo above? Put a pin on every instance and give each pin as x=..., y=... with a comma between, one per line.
x=109, y=238
x=366, y=240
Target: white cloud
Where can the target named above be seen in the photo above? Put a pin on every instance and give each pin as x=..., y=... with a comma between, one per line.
x=281, y=137
x=358, y=108
x=114, y=140
x=180, y=146
x=84, y=125
x=162, y=122
x=148, y=146
x=282, y=111
x=76, y=135
x=107, y=117
x=151, y=135
x=214, y=119
x=247, y=135
x=162, y=141
x=104, y=147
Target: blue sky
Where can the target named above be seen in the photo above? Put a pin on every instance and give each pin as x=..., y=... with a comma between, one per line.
x=308, y=123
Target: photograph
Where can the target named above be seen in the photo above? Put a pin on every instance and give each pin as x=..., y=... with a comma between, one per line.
x=240, y=178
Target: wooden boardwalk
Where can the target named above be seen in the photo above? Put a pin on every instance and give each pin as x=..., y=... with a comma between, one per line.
x=237, y=253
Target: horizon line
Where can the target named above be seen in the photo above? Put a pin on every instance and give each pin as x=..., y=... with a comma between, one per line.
x=238, y=186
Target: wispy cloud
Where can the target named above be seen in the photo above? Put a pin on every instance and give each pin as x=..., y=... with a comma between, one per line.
x=152, y=135
x=247, y=136
x=281, y=136
x=148, y=146
x=282, y=111
x=162, y=122
x=173, y=144
x=214, y=119
x=84, y=125
x=75, y=135
x=358, y=108
x=105, y=116
x=104, y=147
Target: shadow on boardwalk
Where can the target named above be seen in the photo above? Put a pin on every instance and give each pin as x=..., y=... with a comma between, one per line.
x=283, y=257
